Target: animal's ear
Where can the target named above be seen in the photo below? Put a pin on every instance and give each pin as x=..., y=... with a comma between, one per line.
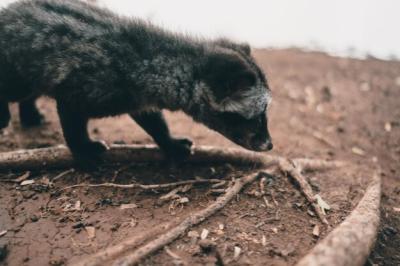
x=226, y=73
x=245, y=47
x=240, y=47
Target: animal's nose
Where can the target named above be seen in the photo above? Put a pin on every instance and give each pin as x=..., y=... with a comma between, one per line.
x=270, y=146
x=266, y=146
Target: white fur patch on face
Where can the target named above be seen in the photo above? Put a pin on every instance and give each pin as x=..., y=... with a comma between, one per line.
x=248, y=103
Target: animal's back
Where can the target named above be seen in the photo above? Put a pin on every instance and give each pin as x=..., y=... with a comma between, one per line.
x=36, y=37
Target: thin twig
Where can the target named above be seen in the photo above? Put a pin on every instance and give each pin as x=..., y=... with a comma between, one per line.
x=146, y=187
x=62, y=175
x=288, y=167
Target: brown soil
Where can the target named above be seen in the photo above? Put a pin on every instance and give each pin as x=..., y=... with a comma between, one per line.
x=346, y=101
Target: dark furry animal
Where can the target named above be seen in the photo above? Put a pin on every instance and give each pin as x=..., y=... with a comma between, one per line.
x=95, y=64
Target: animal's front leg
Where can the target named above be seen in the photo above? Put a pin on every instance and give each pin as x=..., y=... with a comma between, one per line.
x=155, y=125
x=74, y=124
x=4, y=115
x=29, y=114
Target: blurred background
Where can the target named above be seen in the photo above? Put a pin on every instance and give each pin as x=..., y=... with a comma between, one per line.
x=356, y=28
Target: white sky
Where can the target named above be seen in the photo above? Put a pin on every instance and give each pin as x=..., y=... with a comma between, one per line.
x=368, y=26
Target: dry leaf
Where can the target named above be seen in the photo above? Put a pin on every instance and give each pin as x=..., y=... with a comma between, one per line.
x=358, y=151
x=322, y=204
x=236, y=252
x=91, y=231
x=128, y=206
x=204, y=234
x=183, y=200
x=22, y=177
x=27, y=182
x=193, y=234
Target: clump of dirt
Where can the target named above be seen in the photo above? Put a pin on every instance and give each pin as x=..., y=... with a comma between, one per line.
x=324, y=107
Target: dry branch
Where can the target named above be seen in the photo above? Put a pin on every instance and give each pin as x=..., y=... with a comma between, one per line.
x=175, y=232
x=350, y=243
x=288, y=167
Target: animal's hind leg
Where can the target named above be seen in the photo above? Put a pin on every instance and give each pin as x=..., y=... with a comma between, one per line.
x=4, y=114
x=29, y=114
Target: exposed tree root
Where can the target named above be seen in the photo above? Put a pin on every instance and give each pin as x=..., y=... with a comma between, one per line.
x=350, y=243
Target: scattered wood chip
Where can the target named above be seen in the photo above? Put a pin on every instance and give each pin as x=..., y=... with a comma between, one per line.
x=358, y=151
x=77, y=205
x=204, y=234
x=236, y=252
x=128, y=206
x=3, y=233
x=91, y=231
x=388, y=126
x=183, y=200
x=193, y=234
x=27, y=182
x=264, y=240
x=322, y=204
x=316, y=231
x=221, y=226
x=275, y=230
x=396, y=209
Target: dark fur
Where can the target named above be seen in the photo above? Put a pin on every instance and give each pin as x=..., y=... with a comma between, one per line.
x=95, y=64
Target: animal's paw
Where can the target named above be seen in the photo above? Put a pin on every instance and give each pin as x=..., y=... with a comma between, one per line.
x=88, y=157
x=32, y=119
x=178, y=149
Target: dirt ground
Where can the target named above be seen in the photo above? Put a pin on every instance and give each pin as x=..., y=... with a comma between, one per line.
x=324, y=107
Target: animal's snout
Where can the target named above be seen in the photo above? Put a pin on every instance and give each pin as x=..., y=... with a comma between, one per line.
x=266, y=146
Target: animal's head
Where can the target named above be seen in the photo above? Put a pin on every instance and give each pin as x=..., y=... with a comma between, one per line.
x=234, y=96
